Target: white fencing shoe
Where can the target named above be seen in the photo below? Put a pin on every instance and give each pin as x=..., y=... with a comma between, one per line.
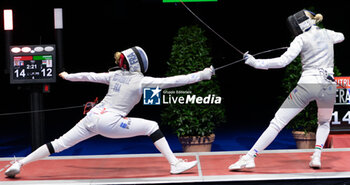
x=244, y=162
x=182, y=166
x=315, y=162
x=13, y=170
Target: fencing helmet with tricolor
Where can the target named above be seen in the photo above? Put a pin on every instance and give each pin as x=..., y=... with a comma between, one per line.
x=300, y=22
x=136, y=59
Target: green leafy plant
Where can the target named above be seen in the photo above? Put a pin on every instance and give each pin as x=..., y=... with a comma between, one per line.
x=190, y=53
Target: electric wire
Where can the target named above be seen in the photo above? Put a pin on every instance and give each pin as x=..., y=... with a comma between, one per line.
x=44, y=110
x=211, y=29
x=256, y=54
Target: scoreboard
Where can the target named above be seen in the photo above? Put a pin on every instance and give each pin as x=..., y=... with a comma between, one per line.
x=32, y=64
x=341, y=115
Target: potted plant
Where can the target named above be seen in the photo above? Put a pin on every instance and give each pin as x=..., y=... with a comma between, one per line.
x=193, y=123
x=304, y=124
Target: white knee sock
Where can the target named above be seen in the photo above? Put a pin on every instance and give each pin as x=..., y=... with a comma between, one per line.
x=163, y=146
x=321, y=137
x=264, y=141
x=39, y=153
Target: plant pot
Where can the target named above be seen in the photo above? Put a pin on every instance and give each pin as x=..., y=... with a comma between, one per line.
x=197, y=143
x=304, y=140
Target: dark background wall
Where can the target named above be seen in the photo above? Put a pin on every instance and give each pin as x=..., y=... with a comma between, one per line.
x=94, y=30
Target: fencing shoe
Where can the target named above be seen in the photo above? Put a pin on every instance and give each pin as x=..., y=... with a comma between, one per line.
x=244, y=162
x=13, y=170
x=315, y=162
x=181, y=166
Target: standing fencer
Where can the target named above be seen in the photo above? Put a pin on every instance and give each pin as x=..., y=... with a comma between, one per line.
x=108, y=118
x=315, y=46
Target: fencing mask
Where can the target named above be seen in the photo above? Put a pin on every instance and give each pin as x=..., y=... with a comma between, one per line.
x=299, y=22
x=137, y=59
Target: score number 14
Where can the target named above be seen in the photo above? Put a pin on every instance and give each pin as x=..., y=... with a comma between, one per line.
x=336, y=121
x=46, y=72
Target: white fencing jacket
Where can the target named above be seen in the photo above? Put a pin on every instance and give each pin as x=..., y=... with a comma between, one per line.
x=315, y=48
x=126, y=88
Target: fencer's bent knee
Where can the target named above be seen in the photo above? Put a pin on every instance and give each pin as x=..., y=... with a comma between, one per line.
x=59, y=145
x=324, y=124
x=152, y=127
x=50, y=148
x=323, y=120
x=155, y=136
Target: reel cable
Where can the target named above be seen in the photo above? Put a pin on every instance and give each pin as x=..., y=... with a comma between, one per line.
x=211, y=29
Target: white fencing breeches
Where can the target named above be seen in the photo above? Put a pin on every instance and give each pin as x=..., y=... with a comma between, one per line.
x=322, y=91
x=106, y=124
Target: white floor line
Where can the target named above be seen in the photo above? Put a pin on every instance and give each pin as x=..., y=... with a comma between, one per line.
x=200, y=173
x=180, y=154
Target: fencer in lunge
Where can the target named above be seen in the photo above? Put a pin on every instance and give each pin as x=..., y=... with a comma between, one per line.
x=108, y=118
x=315, y=46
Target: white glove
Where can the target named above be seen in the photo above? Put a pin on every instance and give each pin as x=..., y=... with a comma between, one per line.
x=207, y=73
x=250, y=60
x=63, y=74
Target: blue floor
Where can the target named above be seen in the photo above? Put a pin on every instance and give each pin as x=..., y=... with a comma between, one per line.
x=227, y=139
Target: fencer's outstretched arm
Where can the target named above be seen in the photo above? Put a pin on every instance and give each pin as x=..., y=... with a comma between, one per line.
x=292, y=52
x=87, y=77
x=278, y=62
x=179, y=80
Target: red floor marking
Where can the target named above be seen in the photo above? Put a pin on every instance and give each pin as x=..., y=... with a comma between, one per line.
x=67, y=169
x=148, y=167
x=338, y=141
x=276, y=163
